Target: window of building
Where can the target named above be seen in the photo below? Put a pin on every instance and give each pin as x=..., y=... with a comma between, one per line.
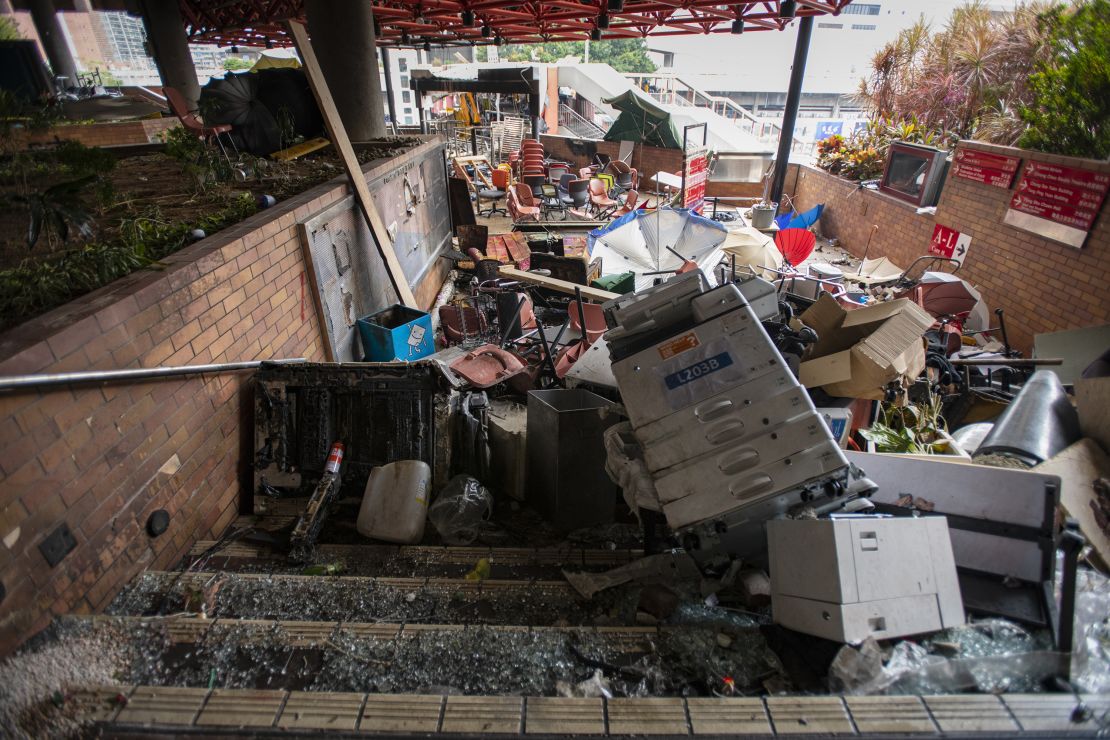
x=404, y=80
x=831, y=25
x=862, y=27
x=402, y=64
x=857, y=9
x=408, y=121
x=406, y=96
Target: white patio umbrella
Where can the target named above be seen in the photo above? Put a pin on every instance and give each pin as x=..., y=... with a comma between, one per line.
x=641, y=242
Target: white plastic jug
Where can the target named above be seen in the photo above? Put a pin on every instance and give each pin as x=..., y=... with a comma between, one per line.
x=395, y=504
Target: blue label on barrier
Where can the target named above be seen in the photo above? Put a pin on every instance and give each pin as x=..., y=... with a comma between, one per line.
x=697, y=370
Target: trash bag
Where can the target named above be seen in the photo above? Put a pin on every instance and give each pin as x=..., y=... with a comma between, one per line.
x=459, y=510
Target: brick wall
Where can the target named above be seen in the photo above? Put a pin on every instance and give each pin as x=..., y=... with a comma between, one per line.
x=120, y=133
x=101, y=459
x=1042, y=285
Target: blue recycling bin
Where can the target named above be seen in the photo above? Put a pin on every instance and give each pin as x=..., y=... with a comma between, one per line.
x=398, y=333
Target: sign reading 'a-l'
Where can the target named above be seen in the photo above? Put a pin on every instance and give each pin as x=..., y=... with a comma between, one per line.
x=1058, y=202
x=985, y=167
x=949, y=243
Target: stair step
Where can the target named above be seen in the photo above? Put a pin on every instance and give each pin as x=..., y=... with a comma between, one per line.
x=172, y=709
x=379, y=657
x=416, y=560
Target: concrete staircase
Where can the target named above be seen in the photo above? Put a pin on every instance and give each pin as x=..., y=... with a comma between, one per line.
x=401, y=642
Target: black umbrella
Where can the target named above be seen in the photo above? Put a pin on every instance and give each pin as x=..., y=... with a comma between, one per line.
x=266, y=109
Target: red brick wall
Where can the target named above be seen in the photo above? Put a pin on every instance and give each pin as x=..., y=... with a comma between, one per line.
x=1042, y=285
x=122, y=133
x=102, y=459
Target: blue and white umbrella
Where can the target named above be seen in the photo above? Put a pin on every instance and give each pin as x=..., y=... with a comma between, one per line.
x=639, y=241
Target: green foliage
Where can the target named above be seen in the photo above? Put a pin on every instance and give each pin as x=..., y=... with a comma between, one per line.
x=79, y=160
x=235, y=64
x=202, y=162
x=151, y=236
x=915, y=429
x=55, y=209
x=1070, y=108
x=623, y=55
x=862, y=155
x=37, y=286
x=9, y=31
x=969, y=77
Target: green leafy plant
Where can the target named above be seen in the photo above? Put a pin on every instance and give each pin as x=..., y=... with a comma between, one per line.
x=202, y=162
x=1069, y=110
x=80, y=160
x=914, y=429
x=623, y=55
x=235, y=64
x=56, y=209
x=861, y=156
x=968, y=77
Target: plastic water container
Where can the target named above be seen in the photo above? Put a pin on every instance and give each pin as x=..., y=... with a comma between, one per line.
x=395, y=504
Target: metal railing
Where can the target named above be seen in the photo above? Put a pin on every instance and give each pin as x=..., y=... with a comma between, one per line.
x=668, y=88
x=573, y=122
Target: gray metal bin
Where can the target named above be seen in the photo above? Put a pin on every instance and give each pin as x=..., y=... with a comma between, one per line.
x=567, y=482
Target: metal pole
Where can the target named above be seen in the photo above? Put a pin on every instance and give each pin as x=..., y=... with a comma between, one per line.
x=790, y=115
x=420, y=110
x=16, y=382
x=389, y=89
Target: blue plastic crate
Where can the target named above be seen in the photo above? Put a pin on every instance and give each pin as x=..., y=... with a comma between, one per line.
x=398, y=333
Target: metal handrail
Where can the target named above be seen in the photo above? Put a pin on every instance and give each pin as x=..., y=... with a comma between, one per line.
x=574, y=121
x=767, y=129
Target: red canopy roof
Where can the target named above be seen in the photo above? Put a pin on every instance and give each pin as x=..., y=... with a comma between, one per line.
x=442, y=22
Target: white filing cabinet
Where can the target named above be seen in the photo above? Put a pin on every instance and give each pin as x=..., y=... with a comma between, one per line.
x=863, y=577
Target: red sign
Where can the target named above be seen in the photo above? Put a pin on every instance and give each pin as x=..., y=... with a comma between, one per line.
x=990, y=169
x=696, y=174
x=1063, y=195
x=949, y=243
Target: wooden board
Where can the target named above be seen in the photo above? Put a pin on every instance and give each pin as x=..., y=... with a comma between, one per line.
x=1078, y=467
x=338, y=134
x=590, y=294
x=299, y=150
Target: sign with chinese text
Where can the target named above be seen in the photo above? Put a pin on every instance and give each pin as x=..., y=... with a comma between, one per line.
x=949, y=243
x=696, y=173
x=1059, y=203
x=985, y=167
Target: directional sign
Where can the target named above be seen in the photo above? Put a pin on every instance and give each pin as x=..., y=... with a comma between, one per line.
x=949, y=243
x=1058, y=202
x=985, y=167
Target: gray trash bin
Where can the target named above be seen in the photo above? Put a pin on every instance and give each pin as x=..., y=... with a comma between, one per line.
x=567, y=482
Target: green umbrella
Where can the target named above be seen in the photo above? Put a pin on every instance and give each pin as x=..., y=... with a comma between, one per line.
x=642, y=120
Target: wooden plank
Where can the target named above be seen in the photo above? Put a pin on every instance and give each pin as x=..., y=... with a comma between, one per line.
x=590, y=294
x=299, y=150
x=338, y=135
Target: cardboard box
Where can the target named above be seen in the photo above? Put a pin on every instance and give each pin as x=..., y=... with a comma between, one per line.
x=860, y=351
x=854, y=578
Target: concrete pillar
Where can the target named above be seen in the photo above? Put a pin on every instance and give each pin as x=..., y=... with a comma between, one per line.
x=53, y=39
x=342, y=34
x=165, y=30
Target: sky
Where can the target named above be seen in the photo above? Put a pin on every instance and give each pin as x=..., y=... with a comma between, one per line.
x=838, y=57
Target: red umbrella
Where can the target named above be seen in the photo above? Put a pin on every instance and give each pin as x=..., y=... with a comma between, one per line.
x=795, y=245
x=945, y=299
